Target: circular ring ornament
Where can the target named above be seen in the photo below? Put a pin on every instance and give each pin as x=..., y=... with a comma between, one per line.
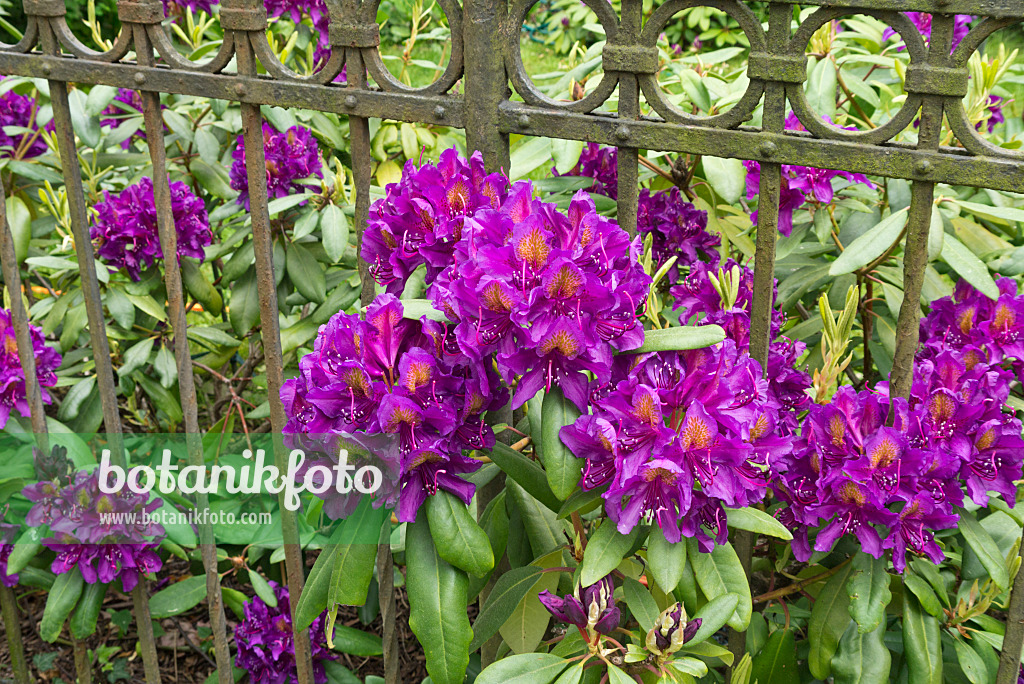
x=524, y=85
x=749, y=24
x=452, y=72
x=811, y=120
x=956, y=115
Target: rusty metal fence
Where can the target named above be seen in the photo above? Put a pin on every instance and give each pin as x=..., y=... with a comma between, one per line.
x=486, y=58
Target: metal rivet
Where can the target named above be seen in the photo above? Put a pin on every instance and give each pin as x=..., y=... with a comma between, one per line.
x=439, y=112
x=767, y=149
x=240, y=89
x=622, y=132
x=350, y=101
x=523, y=120
x=140, y=78
x=46, y=68
x=923, y=167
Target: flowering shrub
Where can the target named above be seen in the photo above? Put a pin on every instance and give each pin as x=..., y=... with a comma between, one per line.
x=126, y=232
x=92, y=533
x=12, y=378
x=292, y=157
x=19, y=132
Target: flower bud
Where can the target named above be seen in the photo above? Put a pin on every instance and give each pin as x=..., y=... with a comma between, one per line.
x=671, y=630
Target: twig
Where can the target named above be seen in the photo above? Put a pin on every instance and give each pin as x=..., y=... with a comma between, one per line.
x=798, y=586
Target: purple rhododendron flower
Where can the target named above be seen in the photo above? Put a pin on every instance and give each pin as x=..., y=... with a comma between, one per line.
x=550, y=294
x=994, y=113
x=601, y=164
x=8, y=533
x=266, y=650
x=421, y=217
x=173, y=7
x=105, y=536
x=126, y=232
x=677, y=435
x=591, y=609
x=400, y=389
x=291, y=156
x=923, y=22
x=800, y=184
x=679, y=230
x=12, y=377
x=19, y=132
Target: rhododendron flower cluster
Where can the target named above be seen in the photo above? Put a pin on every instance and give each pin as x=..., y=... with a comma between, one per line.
x=679, y=230
x=676, y=436
x=292, y=156
x=971, y=322
x=400, y=389
x=671, y=630
x=923, y=22
x=12, y=377
x=601, y=164
x=125, y=230
x=265, y=642
x=723, y=297
x=421, y=217
x=105, y=536
x=800, y=184
x=855, y=474
x=19, y=112
x=550, y=294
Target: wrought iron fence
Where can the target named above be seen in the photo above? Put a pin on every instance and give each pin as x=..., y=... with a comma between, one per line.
x=486, y=58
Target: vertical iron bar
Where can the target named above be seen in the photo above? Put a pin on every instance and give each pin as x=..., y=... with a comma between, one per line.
x=12, y=629
x=72, y=172
x=486, y=83
x=762, y=304
x=270, y=331
x=629, y=110
x=182, y=352
x=359, y=133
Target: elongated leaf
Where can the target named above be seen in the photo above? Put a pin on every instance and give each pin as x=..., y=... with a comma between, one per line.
x=862, y=658
x=868, y=590
x=727, y=176
x=19, y=220
x=357, y=552
x=970, y=267
x=970, y=662
x=60, y=600
x=605, y=550
x=529, y=620
x=924, y=593
x=1009, y=214
x=313, y=600
x=679, y=338
x=506, y=594
x=457, y=536
x=26, y=548
x=641, y=603
x=334, y=228
x=262, y=588
x=758, y=521
x=528, y=668
x=437, y=607
x=357, y=642
x=199, y=287
x=665, y=560
x=713, y=615
x=306, y=274
x=720, y=572
x=87, y=612
x=544, y=531
x=562, y=467
x=922, y=645
x=829, y=619
x=870, y=245
x=985, y=547
x=528, y=474
x=178, y=598
x=244, y=309
x=776, y=663
x=821, y=88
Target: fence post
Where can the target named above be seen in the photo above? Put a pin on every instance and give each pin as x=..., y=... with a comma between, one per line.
x=270, y=328
x=486, y=83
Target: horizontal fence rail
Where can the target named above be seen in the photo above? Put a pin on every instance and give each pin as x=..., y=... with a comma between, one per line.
x=475, y=92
